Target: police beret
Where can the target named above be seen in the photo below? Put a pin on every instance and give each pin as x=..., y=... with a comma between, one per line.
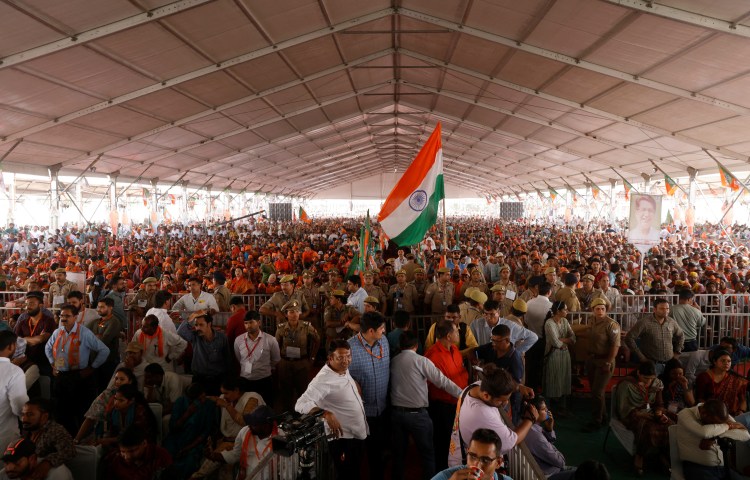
x=149, y=280
x=520, y=305
x=549, y=270
x=504, y=267
x=287, y=279
x=372, y=300
x=598, y=301
x=61, y=270
x=419, y=270
x=401, y=272
x=478, y=296
x=497, y=288
x=443, y=270
x=338, y=293
x=588, y=277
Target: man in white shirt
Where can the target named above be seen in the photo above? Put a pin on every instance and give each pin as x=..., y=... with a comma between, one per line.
x=698, y=429
x=197, y=302
x=159, y=345
x=257, y=353
x=162, y=304
x=358, y=294
x=249, y=452
x=12, y=389
x=334, y=391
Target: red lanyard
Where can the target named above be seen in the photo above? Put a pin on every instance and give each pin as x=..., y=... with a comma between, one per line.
x=359, y=337
x=250, y=352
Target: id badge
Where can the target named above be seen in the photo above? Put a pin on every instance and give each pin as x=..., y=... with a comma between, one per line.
x=246, y=369
x=672, y=407
x=293, y=352
x=142, y=303
x=59, y=363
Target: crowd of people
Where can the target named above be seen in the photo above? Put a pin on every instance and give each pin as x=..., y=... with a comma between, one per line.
x=173, y=349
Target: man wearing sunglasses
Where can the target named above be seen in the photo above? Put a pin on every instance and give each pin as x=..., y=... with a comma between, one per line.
x=483, y=458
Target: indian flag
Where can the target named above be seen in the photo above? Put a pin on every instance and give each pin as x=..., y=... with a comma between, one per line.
x=412, y=206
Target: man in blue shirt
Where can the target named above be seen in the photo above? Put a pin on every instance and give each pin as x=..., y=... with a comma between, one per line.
x=210, y=352
x=75, y=353
x=370, y=368
x=482, y=457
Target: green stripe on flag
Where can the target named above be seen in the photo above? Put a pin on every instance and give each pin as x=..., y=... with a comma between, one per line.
x=414, y=233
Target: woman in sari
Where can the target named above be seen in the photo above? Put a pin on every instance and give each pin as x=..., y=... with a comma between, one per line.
x=641, y=409
x=128, y=407
x=557, y=369
x=97, y=412
x=720, y=382
x=194, y=419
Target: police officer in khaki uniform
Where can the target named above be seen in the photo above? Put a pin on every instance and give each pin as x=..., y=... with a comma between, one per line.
x=144, y=299
x=340, y=320
x=420, y=284
x=517, y=311
x=298, y=343
x=59, y=290
x=588, y=293
x=604, y=342
x=311, y=294
x=402, y=295
x=501, y=288
x=334, y=283
x=273, y=307
x=372, y=304
x=567, y=293
x=374, y=290
x=439, y=295
x=473, y=307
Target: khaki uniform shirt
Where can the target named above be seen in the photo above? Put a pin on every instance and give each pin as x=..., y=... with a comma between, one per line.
x=478, y=285
x=585, y=299
x=335, y=318
x=377, y=292
x=140, y=297
x=402, y=298
x=438, y=297
x=568, y=295
x=507, y=302
x=222, y=296
x=287, y=337
x=57, y=290
x=603, y=335
x=469, y=313
x=279, y=299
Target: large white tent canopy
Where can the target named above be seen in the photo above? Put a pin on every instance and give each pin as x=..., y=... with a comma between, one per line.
x=305, y=97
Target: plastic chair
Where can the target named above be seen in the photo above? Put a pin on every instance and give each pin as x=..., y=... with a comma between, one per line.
x=674, y=455
x=85, y=465
x=624, y=436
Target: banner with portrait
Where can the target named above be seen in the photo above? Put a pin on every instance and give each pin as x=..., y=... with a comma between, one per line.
x=645, y=220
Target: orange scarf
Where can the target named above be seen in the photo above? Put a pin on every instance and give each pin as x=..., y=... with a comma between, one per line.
x=246, y=449
x=160, y=338
x=73, y=343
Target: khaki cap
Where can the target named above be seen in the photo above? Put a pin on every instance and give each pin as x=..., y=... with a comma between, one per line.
x=504, y=267
x=478, y=296
x=338, y=293
x=497, y=288
x=520, y=305
x=292, y=305
x=368, y=273
x=372, y=300
x=419, y=270
x=549, y=270
x=287, y=279
x=150, y=280
x=598, y=301
x=391, y=261
x=588, y=277
x=307, y=274
x=401, y=272
x=444, y=270
x=134, y=347
x=61, y=270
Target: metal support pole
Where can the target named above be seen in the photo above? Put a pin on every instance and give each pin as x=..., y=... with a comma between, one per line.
x=209, y=206
x=691, y=186
x=12, y=198
x=79, y=202
x=646, y=182
x=54, y=221
x=612, y=183
x=113, y=193
x=153, y=217
x=184, y=204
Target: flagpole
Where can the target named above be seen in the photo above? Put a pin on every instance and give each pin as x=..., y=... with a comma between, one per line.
x=445, y=231
x=665, y=176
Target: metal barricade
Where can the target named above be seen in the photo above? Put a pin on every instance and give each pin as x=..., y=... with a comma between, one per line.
x=278, y=467
x=521, y=463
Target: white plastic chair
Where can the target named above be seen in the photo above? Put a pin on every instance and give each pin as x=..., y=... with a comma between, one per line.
x=85, y=465
x=674, y=455
x=624, y=436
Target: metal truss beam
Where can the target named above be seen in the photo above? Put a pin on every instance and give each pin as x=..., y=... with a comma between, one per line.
x=169, y=83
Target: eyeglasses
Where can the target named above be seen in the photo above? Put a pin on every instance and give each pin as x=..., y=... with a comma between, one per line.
x=482, y=460
x=66, y=315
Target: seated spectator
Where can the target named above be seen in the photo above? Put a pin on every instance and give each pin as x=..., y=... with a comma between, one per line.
x=540, y=442
x=159, y=345
x=133, y=362
x=483, y=459
x=54, y=445
x=722, y=383
x=136, y=458
x=235, y=406
x=738, y=351
x=194, y=420
x=501, y=352
x=97, y=412
x=677, y=394
x=257, y=432
x=641, y=408
x=699, y=430
x=20, y=461
x=161, y=387
x=128, y=408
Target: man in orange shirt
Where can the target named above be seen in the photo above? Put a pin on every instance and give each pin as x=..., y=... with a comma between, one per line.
x=447, y=358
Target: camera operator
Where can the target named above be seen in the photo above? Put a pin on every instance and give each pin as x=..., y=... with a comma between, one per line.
x=334, y=391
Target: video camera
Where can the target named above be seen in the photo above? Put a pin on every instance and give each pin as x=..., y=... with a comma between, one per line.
x=299, y=432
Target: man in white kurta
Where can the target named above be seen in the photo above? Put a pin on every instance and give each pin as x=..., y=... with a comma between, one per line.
x=12, y=390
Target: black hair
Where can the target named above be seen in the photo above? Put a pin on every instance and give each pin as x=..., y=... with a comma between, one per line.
x=231, y=382
x=408, y=340
x=132, y=436
x=152, y=319
x=452, y=308
x=161, y=297
x=500, y=330
x=355, y=280
x=545, y=288
x=371, y=321
x=491, y=305
x=42, y=404
x=236, y=301
x=487, y=437
x=443, y=328
x=75, y=294
x=7, y=338
x=251, y=315
x=128, y=373
x=70, y=307
x=401, y=319
x=336, y=344
x=108, y=301
x=496, y=381
x=154, y=369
